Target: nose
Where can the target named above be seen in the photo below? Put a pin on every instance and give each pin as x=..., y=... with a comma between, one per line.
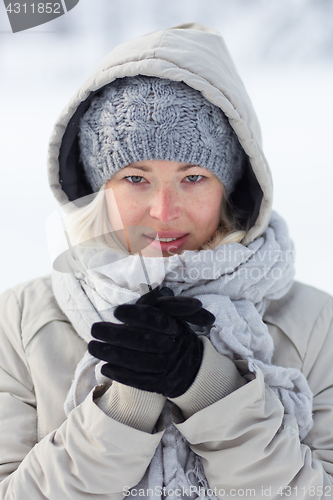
x=165, y=205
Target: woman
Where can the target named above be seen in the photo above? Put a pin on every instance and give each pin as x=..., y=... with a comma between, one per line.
x=207, y=371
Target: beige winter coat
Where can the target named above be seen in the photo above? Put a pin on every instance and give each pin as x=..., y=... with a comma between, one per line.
x=248, y=446
x=240, y=437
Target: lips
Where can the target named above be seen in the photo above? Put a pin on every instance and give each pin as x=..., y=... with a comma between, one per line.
x=169, y=246
x=166, y=234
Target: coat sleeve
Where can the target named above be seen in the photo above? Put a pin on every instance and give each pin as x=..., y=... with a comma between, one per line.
x=249, y=447
x=90, y=454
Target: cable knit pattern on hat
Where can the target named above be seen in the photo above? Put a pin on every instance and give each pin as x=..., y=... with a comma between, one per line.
x=147, y=118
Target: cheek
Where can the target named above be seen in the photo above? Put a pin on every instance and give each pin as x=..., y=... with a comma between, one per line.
x=207, y=212
x=209, y=218
x=122, y=209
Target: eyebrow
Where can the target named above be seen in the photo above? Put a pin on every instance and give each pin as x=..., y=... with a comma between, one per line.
x=148, y=169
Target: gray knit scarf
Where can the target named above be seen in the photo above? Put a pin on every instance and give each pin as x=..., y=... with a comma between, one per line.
x=234, y=282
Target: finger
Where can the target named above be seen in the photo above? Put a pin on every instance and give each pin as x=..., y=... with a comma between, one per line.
x=143, y=381
x=139, y=362
x=179, y=306
x=201, y=318
x=187, y=309
x=166, y=292
x=132, y=337
x=150, y=297
x=103, y=329
x=142, y=316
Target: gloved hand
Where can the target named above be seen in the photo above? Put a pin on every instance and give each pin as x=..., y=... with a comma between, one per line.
x=154, y=350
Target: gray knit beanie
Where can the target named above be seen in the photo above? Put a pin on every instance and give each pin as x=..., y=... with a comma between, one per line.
x=148, y=118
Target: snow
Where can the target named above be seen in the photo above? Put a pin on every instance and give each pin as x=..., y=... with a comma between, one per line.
x=42, y=68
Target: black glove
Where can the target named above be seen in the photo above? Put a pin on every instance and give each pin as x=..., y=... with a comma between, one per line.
x=154, y=350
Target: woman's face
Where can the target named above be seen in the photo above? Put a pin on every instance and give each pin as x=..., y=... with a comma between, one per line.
x=167, y=199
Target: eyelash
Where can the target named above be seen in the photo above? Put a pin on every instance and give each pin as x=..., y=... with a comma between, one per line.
x=140, y=176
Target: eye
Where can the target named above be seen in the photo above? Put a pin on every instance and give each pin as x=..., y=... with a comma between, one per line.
x=134, y=179
x=194, y=178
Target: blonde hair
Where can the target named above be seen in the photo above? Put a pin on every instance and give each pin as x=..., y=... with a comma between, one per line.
x=89, y=225
x=227, y=230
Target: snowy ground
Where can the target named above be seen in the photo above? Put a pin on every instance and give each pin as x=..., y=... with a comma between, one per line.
x=40, y=72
